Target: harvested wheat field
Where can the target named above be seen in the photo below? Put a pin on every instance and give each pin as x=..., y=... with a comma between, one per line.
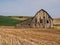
x=29, y=36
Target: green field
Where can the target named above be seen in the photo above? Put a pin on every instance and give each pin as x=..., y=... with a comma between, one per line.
x=12, y=20
x=8, y=21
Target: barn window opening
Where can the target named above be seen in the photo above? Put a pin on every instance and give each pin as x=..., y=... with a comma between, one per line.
x=35, y=24
x=44, y=17
x=35, y=20
x=47, y=21
x=29, y=24
x=41, y=21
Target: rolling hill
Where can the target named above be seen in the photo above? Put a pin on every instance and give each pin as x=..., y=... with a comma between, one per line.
x=7, y=21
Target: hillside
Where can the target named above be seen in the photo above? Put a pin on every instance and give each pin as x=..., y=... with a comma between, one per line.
x=12, y=20
x=7, y=21
x=56, y=21
x=21, y=18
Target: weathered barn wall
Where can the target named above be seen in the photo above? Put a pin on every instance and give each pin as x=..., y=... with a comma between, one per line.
x=43, y=19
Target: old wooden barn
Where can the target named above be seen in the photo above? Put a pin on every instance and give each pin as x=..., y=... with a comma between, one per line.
x=41, y=20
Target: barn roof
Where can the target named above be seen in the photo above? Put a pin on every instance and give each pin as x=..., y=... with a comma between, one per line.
x=45, y=12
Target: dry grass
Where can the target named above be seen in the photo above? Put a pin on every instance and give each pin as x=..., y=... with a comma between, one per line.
x=56, y=27
x=22, y=19
x=29, y=36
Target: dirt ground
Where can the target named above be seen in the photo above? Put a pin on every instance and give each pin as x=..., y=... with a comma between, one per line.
x=29, y=36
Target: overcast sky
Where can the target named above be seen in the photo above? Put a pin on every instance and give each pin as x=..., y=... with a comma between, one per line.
x=29, y=7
